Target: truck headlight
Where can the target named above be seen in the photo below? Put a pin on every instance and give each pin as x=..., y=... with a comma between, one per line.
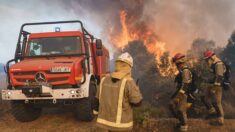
x=72, y=92
x=8, y=93
x=60, y=69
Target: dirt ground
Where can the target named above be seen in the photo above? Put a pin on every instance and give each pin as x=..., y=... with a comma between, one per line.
x=52, y=120
x=55, y=120
x=195, y=125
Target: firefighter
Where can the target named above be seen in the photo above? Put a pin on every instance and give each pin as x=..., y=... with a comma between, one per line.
x=117, y=94
x=35, y=48
x=179, y=103
x=213, y=95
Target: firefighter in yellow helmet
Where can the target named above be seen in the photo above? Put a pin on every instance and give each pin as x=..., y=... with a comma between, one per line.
x=117, y=94
x=179, y=103
x=214, y=92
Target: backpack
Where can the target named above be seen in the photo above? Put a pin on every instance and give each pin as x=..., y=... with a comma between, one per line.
x=193, y=86
x=226, y=83
x=195, y=81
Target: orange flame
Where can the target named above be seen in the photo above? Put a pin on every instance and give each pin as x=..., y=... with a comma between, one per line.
x=122, y=39
x=148, y=36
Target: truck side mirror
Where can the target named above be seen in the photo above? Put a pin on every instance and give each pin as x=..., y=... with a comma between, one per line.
x=99, y=52
x=98, y=44
x=18, y=53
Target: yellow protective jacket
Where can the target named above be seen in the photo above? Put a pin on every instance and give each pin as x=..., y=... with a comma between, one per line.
x=115, y=99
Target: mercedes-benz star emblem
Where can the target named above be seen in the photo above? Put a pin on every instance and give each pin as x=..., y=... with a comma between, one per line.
x=40, y=77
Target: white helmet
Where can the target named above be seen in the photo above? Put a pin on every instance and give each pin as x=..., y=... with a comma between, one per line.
x=126, y=57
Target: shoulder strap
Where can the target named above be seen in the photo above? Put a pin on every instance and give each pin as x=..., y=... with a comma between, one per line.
x=184, y=68
x=218, y=62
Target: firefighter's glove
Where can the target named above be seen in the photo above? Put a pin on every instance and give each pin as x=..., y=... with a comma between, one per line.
x=182, y=91
x=217, y=84
x=218, y=80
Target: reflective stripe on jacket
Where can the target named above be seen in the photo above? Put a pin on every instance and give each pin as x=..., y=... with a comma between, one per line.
x=115, y=96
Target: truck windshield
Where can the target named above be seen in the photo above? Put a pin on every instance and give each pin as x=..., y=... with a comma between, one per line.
x=54, y=46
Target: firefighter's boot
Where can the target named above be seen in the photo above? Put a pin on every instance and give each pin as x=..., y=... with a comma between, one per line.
x=211, y=113
x=183, y=121
x=184, y=128
x=218, y=122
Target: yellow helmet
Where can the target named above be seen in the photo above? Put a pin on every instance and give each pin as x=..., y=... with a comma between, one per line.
x=127, y=58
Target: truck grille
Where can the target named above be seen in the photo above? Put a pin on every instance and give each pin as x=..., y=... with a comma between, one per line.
x=49, y=80
x=54, y=79
x=24, y=73
x=58, y=79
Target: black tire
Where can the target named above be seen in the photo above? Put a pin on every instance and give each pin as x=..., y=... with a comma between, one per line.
x=84, y=108
x=24, y=112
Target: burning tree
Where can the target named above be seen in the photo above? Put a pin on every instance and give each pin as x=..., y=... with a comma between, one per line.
x=155, y=88
x=132, y=30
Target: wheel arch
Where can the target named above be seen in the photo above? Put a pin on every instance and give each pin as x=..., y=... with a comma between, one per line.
x=86, y=85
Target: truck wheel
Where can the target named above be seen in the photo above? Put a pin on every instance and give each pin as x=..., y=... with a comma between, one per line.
x=24, y=112
x=84, y=108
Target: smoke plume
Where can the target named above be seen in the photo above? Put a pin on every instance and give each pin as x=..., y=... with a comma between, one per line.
x=177, y=23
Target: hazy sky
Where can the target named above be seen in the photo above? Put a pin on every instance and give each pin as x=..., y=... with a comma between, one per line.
x=13, y=13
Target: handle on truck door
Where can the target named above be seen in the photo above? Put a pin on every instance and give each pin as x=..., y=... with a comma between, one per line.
x=83, y=64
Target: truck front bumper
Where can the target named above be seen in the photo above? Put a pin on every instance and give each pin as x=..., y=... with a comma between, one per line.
x=47, y=93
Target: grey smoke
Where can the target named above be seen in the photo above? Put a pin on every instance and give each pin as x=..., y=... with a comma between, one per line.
x=177, y=23
x=14, y=13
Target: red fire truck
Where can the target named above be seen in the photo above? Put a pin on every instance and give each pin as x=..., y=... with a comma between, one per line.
x=55, y=68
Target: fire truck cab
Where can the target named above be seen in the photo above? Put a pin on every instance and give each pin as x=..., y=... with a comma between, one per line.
x=55, y=68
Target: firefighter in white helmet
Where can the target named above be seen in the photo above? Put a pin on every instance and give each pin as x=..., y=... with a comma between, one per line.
x=117, y=94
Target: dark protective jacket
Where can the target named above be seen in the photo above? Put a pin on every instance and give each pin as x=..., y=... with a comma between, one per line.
x=184, y=79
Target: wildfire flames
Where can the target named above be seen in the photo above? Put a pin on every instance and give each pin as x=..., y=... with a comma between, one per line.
x=130, y=32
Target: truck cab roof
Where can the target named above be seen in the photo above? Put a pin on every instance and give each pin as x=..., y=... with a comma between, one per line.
x=54, y=34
